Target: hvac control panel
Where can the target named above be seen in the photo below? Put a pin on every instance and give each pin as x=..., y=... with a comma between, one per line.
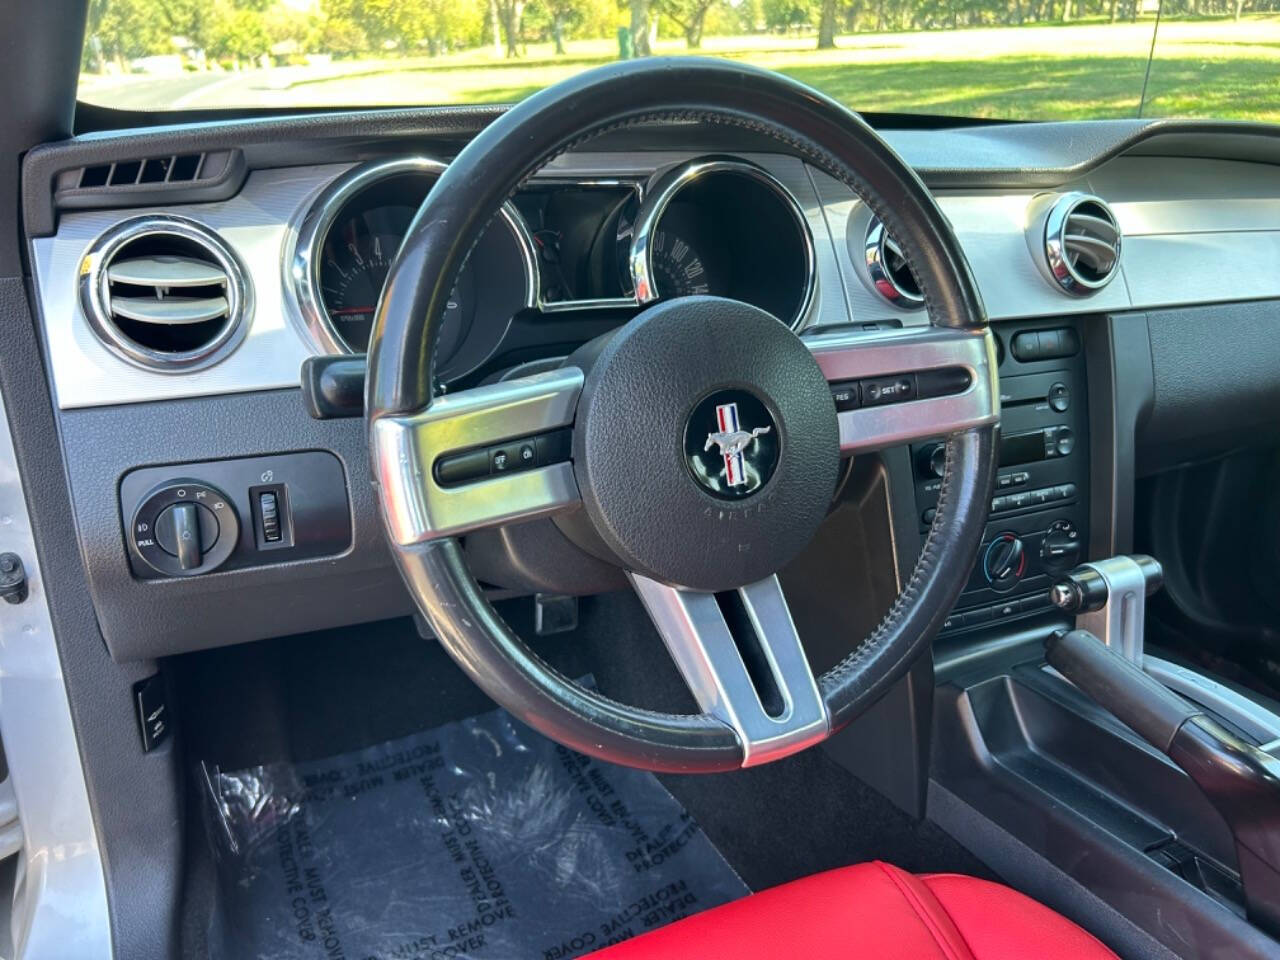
x=193, y=518
x=1039, y=511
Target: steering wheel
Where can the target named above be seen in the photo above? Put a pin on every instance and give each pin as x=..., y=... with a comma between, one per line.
x=699, y=446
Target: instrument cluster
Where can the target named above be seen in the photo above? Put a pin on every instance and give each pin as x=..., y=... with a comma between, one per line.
x=716, y=226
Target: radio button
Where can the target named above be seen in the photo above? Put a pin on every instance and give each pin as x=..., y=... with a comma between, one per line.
x=1026, y=346
x=1059, y=397
x=973, y=618
x=1066, y=441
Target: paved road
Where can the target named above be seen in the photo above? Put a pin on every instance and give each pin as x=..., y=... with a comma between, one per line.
x=187, y=91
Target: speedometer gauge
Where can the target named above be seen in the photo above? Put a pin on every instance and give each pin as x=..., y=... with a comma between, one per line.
x=677, y=267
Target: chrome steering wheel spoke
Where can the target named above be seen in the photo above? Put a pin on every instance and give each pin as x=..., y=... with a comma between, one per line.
x=423, y=503
x=915, y=355
x=742, y=659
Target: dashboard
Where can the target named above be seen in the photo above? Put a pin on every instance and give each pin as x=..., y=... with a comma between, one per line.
x=176, y=318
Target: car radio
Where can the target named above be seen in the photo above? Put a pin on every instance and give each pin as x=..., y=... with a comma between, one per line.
x=1039, y=512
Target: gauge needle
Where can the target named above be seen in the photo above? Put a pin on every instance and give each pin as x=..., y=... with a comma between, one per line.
x=348, y=310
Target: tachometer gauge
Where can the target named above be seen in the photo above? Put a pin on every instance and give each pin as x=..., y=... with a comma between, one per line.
x=348, y=239
x=678, y=270
x=352, y=275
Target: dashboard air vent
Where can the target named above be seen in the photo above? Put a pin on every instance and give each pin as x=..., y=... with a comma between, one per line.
x=181, y=168
x=888, y=269
x=165, y=293
x=1081, y=243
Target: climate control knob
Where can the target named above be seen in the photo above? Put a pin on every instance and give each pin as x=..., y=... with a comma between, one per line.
x=1005, y=561
x=1061, y=547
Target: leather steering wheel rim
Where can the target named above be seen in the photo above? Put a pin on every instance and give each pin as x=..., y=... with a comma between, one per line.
x=401, y=381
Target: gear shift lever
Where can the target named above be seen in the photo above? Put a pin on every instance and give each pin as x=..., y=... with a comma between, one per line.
x=1240, y=780
x=1109, y=599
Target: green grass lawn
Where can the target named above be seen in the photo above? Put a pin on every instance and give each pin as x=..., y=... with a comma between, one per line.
x=1076, y=71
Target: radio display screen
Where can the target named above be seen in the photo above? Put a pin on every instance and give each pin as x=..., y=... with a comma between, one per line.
x=1022, y=448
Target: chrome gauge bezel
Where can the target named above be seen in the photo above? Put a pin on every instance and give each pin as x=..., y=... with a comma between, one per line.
x=306, y=245
x=669, y=185
x=635, y=185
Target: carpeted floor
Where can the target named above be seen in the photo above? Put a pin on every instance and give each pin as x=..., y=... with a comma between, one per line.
x=316, y=695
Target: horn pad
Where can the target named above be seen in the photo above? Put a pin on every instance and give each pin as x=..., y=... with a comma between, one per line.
x=706, y=446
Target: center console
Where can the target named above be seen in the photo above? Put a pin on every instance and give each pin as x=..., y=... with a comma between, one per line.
x=1039, y=518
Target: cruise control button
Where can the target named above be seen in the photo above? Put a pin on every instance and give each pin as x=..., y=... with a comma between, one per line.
x=462, y=467
x=505, y=459
x=845, y=396
x=884, y=390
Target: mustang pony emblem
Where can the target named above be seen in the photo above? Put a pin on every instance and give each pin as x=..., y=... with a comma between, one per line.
x=733, y=441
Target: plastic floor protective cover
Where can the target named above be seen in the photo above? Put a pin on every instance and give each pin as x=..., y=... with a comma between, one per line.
x=478, y=839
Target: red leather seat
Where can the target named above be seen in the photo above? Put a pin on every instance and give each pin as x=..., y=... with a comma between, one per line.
x=871, y=912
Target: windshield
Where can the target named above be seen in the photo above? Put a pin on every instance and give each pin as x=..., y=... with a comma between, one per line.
x=1005, y=59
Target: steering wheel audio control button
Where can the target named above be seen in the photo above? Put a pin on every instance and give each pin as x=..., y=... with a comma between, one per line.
x=184, y=528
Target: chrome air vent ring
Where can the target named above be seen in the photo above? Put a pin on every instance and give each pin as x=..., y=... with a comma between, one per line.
x=165, y=293
x=888, y=270
x=1082, y=242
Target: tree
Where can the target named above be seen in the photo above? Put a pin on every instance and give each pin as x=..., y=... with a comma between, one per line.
x=561, y=17
x=689, y=15
x=783, y=15
x=827, y=26
x=511, y=17
x=127, y=29
x=640, y=46
x=337, y=35
x=235, y=33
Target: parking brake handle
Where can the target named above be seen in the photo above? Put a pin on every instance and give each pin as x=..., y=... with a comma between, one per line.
x=1240, y=780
